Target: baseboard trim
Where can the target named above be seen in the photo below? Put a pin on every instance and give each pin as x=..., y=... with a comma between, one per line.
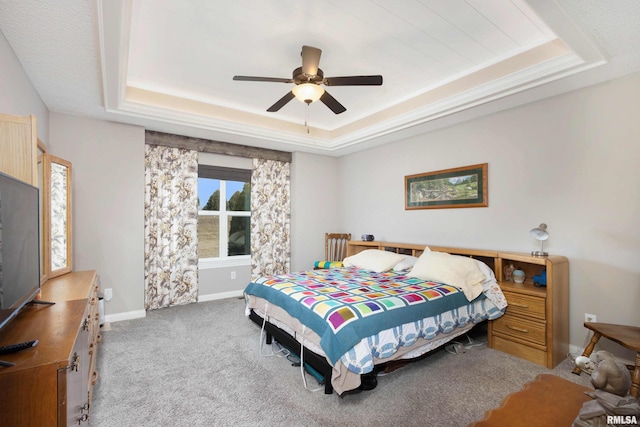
x=575, y=350
x=221, y=295
x=110, y=318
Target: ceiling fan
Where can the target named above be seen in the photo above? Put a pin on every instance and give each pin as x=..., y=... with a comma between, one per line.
x=308, y=80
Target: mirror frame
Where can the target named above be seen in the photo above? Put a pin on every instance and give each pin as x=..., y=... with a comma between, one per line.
x=44, y=253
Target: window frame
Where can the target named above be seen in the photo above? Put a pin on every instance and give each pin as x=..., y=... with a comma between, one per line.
x=224, y=175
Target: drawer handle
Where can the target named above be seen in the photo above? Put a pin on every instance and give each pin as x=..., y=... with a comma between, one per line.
x=515, y=328
x=518, y=304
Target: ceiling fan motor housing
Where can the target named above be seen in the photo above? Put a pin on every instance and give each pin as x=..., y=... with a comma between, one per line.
x=299, y=77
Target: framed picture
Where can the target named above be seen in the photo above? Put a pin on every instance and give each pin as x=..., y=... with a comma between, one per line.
x=464, y=187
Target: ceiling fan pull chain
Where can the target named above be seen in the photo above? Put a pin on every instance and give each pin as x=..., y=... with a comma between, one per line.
x=306, y=117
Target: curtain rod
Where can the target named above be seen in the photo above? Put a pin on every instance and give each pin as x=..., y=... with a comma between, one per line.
x=215, y=147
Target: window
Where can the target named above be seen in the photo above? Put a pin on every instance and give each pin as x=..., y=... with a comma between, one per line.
x=224, y=228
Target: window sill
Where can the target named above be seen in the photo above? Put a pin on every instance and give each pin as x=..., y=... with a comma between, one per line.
x=236, y=261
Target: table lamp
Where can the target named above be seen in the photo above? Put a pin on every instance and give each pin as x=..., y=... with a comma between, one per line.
x=540, y=233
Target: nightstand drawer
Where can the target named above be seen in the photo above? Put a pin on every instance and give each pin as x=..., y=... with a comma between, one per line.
x=525, y=305
x=520, y=350
x=520, y=328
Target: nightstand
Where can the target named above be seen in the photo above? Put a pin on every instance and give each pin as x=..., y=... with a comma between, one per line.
x=535, y=325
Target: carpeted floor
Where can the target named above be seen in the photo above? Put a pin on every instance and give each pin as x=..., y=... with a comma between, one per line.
x=200, y=365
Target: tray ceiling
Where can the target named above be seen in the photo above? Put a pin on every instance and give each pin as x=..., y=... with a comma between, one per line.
x=169, y=65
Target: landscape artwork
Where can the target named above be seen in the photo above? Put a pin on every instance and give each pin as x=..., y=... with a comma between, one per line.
x=463, y=187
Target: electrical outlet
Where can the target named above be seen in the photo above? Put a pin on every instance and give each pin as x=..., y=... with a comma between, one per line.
x=233, y=275
x=108, y=294
x=590, y=317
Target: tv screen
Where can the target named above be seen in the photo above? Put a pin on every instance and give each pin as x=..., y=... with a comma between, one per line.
x=19, y=246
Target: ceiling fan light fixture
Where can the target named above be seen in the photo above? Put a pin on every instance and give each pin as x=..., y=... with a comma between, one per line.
x=308, y=92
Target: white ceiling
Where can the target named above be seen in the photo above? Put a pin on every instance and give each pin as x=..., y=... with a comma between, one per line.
x=168, y=65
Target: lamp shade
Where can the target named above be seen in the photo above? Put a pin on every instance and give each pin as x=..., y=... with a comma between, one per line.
x=308, y=92
x=540, y=233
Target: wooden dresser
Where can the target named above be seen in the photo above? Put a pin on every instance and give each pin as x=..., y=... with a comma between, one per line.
x=535, y=325
x=51, y=384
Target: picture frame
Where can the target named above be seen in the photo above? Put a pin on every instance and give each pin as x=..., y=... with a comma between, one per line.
x=463, y=187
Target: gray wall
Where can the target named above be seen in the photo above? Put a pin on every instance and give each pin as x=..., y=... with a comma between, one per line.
x=315, y=186
x=570, y=161
x=18, y=97
x=108, y=204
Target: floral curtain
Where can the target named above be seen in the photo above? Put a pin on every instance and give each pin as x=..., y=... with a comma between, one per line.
x=170, y=224
x=270, y=218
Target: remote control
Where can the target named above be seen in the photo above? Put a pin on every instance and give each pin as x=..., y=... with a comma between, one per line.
x=12, y=348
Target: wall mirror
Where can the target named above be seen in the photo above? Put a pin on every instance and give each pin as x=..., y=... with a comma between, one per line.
x=55, y=193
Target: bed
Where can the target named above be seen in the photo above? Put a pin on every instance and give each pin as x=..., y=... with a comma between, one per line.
x=388, y=303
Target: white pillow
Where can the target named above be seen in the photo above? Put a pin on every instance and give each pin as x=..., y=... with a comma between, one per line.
x=406, y=264
x=373, y=259
x=459, y=271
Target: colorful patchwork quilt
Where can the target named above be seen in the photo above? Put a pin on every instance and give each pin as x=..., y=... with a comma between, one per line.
x=345, y=305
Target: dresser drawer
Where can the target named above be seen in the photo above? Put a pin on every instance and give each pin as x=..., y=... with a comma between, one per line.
x=526, y=330
x=525, y=305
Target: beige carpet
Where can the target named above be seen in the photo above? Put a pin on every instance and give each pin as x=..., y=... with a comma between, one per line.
x=200, y=365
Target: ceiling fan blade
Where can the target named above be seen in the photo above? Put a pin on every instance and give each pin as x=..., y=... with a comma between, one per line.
x=262, y=79
x=310, y=60
x=332, y=103
x=354, y=81
x=281, y=102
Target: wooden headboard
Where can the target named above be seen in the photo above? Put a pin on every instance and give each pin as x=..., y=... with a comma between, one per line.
x=486, y=256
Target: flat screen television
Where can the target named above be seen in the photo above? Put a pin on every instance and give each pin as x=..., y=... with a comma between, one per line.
x=19, y=246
